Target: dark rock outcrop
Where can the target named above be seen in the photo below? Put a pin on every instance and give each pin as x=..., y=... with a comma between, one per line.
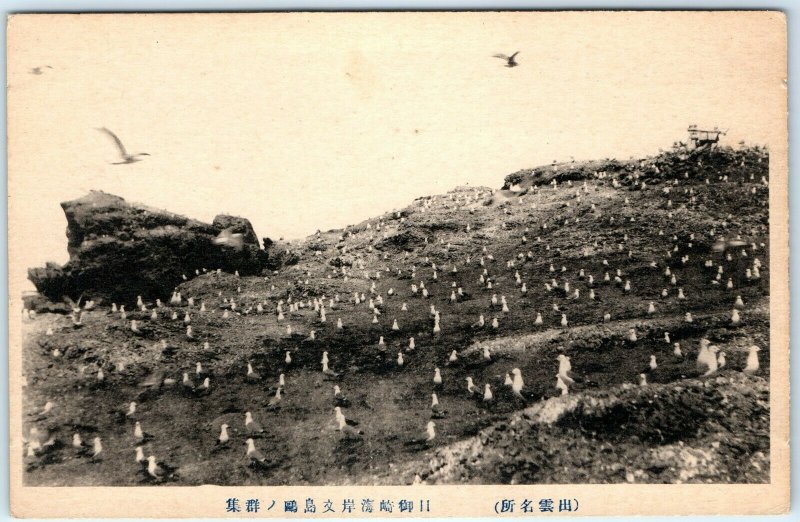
x=677, y=163
x=119, y=250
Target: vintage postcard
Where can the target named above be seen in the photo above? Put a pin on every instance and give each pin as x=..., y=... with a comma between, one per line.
x=398, y=264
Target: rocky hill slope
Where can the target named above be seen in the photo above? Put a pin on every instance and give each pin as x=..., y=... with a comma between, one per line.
x=608, y=263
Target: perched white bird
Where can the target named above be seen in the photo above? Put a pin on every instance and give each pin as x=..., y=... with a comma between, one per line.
x=711, y=359
x=561, y=385
x=251, y=425
x=97, y=448
x=487, y=393
x=517, y=383
x=275, y=400
x=347, y=430
x=752, y=360
x=703, y=354
x=255, y=456
x=436, y=409
x=155, y=469
x=223, y=435
x=338, y=398
x=139, y=434
x=251, y=374
x=431, y=431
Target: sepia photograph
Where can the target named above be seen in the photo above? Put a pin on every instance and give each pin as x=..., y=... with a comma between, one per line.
x=488, y=249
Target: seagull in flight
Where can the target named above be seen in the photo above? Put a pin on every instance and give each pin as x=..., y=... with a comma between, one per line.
x=126, y=158
x=38, y=70
x=228, y=239
x=510, y=61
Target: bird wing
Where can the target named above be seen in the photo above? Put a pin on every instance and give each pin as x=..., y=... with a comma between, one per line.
x=513, y=55
x=257, y=455
x=501, y=56
x=351, y=431
x=227, y=238
x=166, y=467
x=116, y=139
x=154, y=379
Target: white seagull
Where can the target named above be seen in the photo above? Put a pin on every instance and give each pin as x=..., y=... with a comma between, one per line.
x=126, y=157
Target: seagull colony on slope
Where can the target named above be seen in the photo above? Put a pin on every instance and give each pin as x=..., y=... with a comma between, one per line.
x=405, y=306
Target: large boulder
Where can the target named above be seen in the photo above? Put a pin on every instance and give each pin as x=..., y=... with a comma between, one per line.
x=119, y=250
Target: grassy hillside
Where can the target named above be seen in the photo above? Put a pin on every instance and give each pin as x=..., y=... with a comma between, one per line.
x=549, y=229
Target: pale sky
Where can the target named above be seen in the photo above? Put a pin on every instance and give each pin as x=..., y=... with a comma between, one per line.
x=307, y=121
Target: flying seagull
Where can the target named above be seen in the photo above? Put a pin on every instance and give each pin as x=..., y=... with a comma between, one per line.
x=510, y=62
x=38, y=70
x=126, y=158
x=229, y=239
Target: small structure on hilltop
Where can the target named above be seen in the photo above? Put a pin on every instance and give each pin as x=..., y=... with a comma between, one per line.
x=704, y=138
